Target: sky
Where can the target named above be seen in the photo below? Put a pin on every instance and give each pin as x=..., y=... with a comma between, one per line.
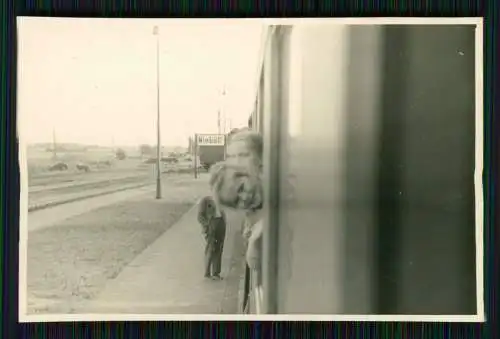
x=93, y=81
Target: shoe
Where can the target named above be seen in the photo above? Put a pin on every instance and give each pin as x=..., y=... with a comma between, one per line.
x=207, y=276
x=217, y=277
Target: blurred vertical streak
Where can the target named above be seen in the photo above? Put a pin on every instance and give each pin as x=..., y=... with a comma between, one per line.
x=426, y=233
x=313, y=280
x=291, y=113
x=391, y=146
x=438, y=220
x=272, y=107
x=361, y=161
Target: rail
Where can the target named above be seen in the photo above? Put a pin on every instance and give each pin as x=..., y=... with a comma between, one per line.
x=47, y=200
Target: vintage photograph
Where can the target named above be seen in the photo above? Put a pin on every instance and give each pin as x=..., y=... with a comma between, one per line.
x=298, y=169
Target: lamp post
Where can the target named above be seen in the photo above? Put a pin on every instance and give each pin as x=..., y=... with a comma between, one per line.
x=158, y=143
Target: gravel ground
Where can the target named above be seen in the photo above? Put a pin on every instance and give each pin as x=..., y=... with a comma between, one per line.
x=73, y=260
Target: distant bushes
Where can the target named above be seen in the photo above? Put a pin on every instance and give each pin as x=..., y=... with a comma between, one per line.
x=83, y=167
x=120, y=154
x=42, y=163
x=101, y=163
x=60, y=166
x=168, y=160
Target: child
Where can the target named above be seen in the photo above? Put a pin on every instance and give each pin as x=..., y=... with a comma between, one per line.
x=213, y=222
x=237, y=188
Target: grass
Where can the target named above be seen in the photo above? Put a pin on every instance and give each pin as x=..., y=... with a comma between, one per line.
x=73, y=260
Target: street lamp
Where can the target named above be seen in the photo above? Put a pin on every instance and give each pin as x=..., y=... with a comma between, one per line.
x=158, y=143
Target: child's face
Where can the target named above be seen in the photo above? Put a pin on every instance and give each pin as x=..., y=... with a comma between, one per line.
x=238, y=153
x=240, y=190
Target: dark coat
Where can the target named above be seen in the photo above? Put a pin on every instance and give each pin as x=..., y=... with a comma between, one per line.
x=212, y=227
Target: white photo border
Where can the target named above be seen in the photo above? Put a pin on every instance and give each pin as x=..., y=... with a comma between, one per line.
x=478, y=183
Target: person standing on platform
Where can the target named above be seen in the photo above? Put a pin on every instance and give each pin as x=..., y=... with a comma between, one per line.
x=213, y=222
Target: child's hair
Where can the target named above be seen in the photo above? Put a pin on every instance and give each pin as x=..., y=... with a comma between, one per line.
x=253, y=140
x=218, y=175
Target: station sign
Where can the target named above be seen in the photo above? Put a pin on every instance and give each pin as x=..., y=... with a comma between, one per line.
x=210, y=139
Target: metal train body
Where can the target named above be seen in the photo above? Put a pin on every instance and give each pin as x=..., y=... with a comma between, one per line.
x=369, y=170
x=210, y=155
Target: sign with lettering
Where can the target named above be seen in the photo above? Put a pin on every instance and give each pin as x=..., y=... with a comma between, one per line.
x=210, y=140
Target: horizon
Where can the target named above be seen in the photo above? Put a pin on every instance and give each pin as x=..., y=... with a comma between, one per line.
x=39, y=144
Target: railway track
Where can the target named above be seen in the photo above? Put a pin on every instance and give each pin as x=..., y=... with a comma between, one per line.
x=58, y=195
x=65, y=199
x=41, y=181
x=71, y=186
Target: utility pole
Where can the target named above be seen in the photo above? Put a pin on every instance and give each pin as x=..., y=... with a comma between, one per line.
x=158, y=142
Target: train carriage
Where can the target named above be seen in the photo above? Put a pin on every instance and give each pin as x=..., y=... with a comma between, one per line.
x=376, y=126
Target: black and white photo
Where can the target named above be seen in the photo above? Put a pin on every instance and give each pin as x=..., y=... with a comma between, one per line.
x=294, y=169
